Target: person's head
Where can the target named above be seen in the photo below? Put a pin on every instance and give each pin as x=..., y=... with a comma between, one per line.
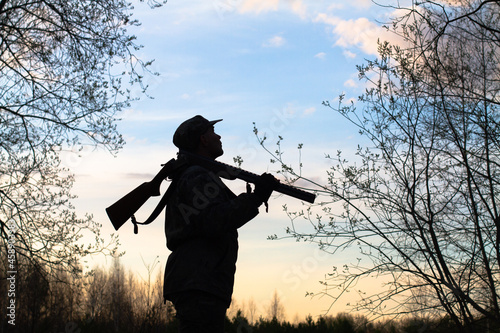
x=197, y=135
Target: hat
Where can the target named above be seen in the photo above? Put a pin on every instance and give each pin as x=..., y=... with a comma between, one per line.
x=188, y=133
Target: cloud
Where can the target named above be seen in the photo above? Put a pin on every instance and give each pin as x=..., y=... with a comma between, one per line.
x=309, y=111
x=336, y=6
x=259, y=6
x=298, y=8
x=276, y=41
x=262, y=6
x=360, y=32
x=320, y=55
x=350, y=83
x=138, y=175
x=362, y=3
x=348, y=54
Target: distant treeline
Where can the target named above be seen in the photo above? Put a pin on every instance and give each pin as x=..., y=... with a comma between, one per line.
x=115, y=301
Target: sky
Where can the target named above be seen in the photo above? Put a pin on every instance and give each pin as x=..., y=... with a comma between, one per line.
x=268, y=62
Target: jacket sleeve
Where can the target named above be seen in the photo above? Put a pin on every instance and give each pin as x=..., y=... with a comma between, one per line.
x=208, y=207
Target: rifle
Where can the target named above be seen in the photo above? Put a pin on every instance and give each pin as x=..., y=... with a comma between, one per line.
x=123, y=209
x=126, y=207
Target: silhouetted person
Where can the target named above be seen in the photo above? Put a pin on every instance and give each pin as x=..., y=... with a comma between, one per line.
x=202, y=218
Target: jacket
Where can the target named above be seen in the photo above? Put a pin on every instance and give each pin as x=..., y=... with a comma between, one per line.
x=202, y=218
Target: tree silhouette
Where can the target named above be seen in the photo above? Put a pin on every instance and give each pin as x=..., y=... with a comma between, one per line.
x=276, y=310
x=67, y=68
x=421, y=203
x=88, y=304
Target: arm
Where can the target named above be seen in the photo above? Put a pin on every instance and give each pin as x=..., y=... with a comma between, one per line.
x=209, y=207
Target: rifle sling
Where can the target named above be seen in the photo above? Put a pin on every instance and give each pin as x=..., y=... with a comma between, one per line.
x=159, y=208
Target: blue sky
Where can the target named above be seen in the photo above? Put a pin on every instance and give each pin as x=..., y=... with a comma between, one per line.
x=268, y=62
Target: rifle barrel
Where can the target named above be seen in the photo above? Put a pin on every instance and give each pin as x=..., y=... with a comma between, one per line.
x=230, y=172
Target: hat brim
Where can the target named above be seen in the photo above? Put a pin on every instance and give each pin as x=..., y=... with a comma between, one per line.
x=213, y=122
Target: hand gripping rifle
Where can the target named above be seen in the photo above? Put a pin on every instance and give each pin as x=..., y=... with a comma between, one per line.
x=126, y=207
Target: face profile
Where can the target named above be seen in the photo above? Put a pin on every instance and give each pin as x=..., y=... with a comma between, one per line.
x=210, y=144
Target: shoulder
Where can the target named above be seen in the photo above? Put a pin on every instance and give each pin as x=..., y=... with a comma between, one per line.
x=194, y=170
x=193, y=175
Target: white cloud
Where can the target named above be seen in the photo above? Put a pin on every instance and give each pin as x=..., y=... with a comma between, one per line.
x=362, y=3
x=150, y=115
x=328, y=19
x=336, y=6
x=197, y=93
x=275, y=41
x=320, y=55
x=309, y=111
x=360, y=32
x=298, y=8
x=262, y=6
x=259, y=6
x=348, y=54
x=350, y=83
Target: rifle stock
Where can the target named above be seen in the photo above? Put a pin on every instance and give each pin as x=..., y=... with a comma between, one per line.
x=126, y=207
x=123, y=209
